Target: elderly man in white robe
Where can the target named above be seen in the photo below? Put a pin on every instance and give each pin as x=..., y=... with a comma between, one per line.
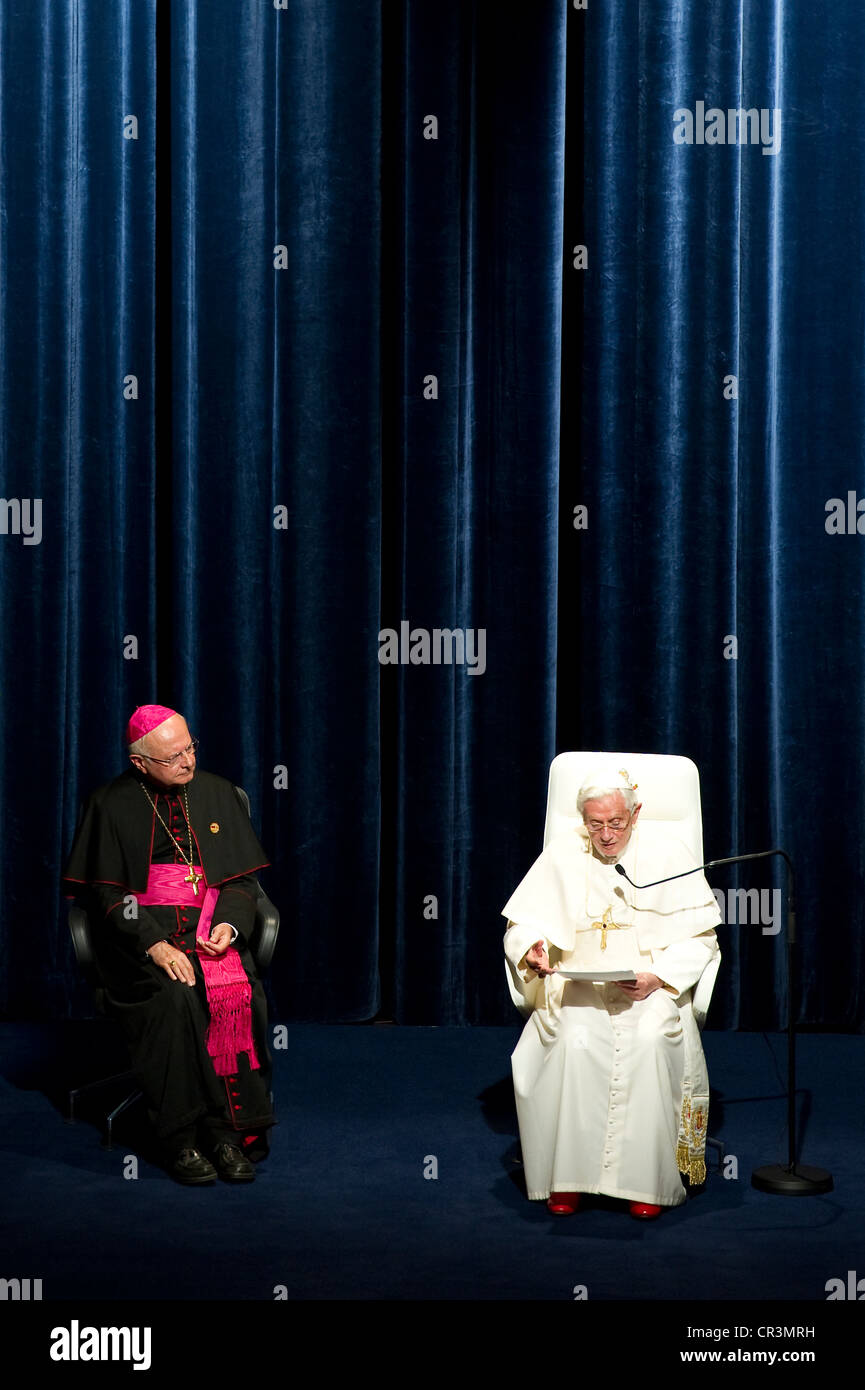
x=610, y=1079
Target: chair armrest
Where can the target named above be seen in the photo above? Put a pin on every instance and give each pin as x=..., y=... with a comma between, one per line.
x=82, y=938
x=262, y=942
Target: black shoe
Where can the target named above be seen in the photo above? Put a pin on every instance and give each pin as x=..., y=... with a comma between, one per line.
x=191, y=1167
x=232, y=1164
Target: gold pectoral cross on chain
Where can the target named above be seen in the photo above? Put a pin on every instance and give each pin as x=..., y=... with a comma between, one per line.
x=606, y=924
x=193, y=878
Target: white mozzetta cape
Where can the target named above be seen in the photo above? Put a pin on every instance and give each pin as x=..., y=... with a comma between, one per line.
x=568, y=889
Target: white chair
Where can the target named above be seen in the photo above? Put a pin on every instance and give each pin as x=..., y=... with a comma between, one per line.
x=668, y=788
x=667, y=785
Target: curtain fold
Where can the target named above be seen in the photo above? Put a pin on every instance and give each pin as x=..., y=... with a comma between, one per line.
x=76, y=441
x=480, y=274
x=276, y=222
x=721, y=364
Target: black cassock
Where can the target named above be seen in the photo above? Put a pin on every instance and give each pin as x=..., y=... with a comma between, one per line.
x=164, y=1020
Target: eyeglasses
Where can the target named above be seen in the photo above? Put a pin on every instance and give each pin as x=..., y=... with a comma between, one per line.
x=175, y=757
x=594, y=827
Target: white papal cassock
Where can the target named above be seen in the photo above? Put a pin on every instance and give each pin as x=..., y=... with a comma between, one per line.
x=612, y=1093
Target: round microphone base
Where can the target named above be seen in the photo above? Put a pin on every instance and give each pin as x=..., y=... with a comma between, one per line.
x=798, y=1181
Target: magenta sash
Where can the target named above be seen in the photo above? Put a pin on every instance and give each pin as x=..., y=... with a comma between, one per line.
x=229, y=993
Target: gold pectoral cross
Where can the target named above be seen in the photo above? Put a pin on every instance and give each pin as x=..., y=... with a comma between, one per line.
x=193, y=878
x=605, y=925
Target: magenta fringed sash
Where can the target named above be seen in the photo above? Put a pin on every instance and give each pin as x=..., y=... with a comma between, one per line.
x=229, y=993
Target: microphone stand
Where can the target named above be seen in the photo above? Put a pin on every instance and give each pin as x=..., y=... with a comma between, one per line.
x=791, y=1179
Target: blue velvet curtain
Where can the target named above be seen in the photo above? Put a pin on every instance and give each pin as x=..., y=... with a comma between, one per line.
x=341, y=225
x=474, y=304
x=303, y=355
x=77, y=594
x=276, y=384
x=721, y=393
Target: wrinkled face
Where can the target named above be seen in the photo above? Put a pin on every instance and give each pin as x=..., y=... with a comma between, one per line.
x=169, y=739
x=609, y=824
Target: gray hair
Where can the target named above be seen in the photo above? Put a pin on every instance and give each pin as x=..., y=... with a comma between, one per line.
x=590, y=792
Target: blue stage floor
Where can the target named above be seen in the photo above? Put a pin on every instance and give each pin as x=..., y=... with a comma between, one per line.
x=342, y=1209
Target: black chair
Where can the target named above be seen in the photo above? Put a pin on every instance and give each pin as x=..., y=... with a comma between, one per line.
x=262, y=944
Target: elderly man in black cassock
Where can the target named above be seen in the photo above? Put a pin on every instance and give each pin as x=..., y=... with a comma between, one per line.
x=163, y=860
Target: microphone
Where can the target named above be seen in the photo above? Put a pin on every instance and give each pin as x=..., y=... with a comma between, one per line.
x=791, y=1179
x=713, y=864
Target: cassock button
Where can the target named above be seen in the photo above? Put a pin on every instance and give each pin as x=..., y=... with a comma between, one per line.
x=214, y=827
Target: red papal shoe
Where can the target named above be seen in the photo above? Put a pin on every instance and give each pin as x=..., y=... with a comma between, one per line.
x=644, y=1211
x=563, y=1203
